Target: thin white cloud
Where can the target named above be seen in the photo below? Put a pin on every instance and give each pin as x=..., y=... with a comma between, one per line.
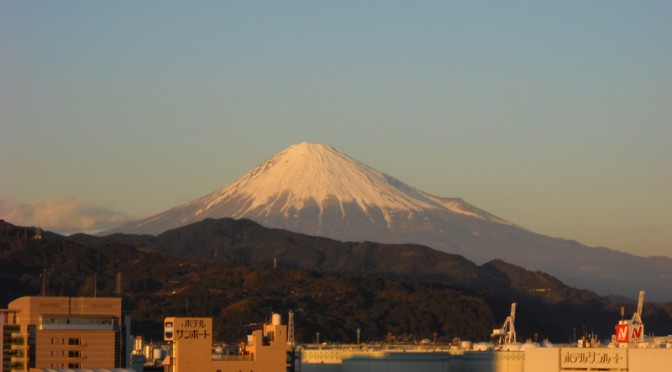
x=65, y=216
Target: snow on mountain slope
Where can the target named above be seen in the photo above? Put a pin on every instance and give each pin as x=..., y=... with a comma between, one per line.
x=310, y=177
x=308, y=173
x=318, y=173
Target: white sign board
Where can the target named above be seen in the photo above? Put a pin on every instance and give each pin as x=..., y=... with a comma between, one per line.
x=589, y=358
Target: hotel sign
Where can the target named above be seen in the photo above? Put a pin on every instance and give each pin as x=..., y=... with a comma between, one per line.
x=604, y=359
x=175, y=329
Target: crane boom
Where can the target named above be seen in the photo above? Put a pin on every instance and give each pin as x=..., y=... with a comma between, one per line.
x=511, y=336
x=637, y=316
x=640, y=303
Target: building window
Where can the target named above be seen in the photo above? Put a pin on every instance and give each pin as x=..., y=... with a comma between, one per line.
x=74, y=354
x=74, y=341
x=74, y=365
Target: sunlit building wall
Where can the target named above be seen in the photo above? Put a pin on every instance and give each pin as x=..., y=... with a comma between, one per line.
x=69, y=332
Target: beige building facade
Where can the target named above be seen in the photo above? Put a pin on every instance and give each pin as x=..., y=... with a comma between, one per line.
x=13, y=347
x=66, y=332
x=191, y=348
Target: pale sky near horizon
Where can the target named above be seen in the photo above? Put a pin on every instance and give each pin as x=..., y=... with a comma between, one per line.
x=556, y=116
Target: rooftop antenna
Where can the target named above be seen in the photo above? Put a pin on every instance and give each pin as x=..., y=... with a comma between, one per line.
x=290, y=328
x=44, y=282
x=117, y=289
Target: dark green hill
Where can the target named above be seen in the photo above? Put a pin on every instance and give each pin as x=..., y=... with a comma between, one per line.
x=156, y=286
x=224, y=268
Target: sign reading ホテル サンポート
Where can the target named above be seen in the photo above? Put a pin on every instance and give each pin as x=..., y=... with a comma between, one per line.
x=573, y=358
x=193, y=329
x=186, y=329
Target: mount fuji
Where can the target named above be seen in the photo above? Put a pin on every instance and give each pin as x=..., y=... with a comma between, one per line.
x=317, y=190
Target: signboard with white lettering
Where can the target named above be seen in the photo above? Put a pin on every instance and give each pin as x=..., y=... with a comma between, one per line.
x=601, y=358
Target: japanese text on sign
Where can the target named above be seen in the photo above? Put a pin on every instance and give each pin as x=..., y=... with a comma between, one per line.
x=596, y=358
x=194, y=323
x=192, y=329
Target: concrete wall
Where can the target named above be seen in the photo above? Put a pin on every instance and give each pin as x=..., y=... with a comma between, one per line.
x=542, y=359
x=529, y=360
x=96, y=349
x=422, y=361
x=372, y=365
x=604, y=359
x=33, y=306
x=650, y=360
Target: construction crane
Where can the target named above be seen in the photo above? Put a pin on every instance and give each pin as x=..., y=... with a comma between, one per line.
x=637, y=316
x=507, y=334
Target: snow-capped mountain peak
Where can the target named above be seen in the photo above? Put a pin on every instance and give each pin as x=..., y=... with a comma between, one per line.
x=320, y=174
x=313, y=188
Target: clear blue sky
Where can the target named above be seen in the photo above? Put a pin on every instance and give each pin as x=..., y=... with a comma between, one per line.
x=556, y=116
